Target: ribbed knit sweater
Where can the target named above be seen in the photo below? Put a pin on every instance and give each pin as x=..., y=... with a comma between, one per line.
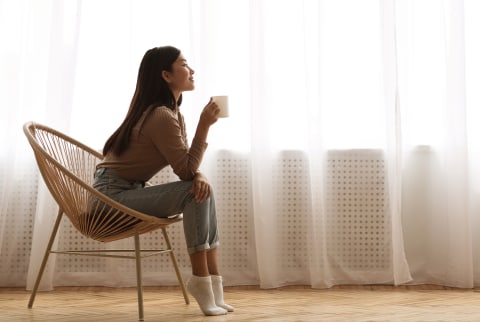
x=156, y=142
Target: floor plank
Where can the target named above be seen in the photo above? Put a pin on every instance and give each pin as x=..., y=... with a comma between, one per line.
x=346, y=303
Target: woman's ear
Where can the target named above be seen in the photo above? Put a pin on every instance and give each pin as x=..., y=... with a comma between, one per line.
x=166, y=76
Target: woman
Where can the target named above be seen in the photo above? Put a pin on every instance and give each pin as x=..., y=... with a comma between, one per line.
x=153, y=136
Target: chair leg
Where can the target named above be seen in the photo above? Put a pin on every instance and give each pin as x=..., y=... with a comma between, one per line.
x=139, y=277
x=45, y=258
x=175, y=265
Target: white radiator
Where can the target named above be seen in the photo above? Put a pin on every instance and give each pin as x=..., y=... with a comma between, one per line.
x=356, y=220
x=357, y=210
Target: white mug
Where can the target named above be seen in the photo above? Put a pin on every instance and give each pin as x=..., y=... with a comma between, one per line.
x=222, y=102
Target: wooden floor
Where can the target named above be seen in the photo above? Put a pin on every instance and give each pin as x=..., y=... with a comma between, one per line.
x=347, y=303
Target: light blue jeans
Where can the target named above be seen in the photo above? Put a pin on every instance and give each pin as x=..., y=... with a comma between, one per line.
x=199, y=219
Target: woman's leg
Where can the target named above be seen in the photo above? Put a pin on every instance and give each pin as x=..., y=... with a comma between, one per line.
x=201, y=234
x=200, y=228
x=204, y=263
x=199, y=263
x=212, y=262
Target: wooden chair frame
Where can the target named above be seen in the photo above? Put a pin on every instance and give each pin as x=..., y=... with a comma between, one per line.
x=67, y=167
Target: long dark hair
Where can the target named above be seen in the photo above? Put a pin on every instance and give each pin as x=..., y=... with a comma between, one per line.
x=151, y=90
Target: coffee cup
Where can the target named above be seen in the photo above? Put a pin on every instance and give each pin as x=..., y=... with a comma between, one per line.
x=222, y=102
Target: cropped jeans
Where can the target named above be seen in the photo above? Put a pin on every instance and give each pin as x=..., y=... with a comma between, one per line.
x=199, y=219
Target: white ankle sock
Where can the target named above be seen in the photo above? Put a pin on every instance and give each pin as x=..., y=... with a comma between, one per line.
x=201, y=289
x=217, y=286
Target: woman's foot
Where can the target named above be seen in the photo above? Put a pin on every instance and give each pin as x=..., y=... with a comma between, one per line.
x=201, y=289
x=217, y=286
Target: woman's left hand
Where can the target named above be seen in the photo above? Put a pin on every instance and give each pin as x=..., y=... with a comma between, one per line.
x=201, y=187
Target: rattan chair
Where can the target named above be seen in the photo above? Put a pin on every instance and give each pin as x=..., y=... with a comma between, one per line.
x=67, y=167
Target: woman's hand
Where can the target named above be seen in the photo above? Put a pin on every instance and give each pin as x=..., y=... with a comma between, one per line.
x=210, y=113
x=208, y=116
x=201, y=188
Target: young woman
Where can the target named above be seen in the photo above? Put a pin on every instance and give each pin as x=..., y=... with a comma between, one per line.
x=153, y=136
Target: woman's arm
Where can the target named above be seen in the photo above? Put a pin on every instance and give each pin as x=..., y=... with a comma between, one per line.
x=167, y=131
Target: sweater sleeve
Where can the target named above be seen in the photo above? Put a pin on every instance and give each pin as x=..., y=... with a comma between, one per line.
x=167, y=132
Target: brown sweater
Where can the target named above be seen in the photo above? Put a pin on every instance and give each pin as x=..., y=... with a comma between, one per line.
x=156, y=142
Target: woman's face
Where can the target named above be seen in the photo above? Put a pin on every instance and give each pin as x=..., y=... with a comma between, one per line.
x=180, y=79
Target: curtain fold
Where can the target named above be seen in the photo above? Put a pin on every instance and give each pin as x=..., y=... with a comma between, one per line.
x=393, y=150
x=349, y=157
x=436, y=195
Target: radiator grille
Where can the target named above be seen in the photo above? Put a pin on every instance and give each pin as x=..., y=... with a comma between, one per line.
x=290, y=179
x=357, y=220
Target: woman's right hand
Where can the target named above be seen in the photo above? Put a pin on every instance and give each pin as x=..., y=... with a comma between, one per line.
x=209, y=113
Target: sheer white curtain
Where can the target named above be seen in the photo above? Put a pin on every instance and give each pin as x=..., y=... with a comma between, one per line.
x=439, y=110
x=352, y=128
x=38, y=63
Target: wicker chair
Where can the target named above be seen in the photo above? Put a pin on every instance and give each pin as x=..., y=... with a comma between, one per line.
x=67, y=167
